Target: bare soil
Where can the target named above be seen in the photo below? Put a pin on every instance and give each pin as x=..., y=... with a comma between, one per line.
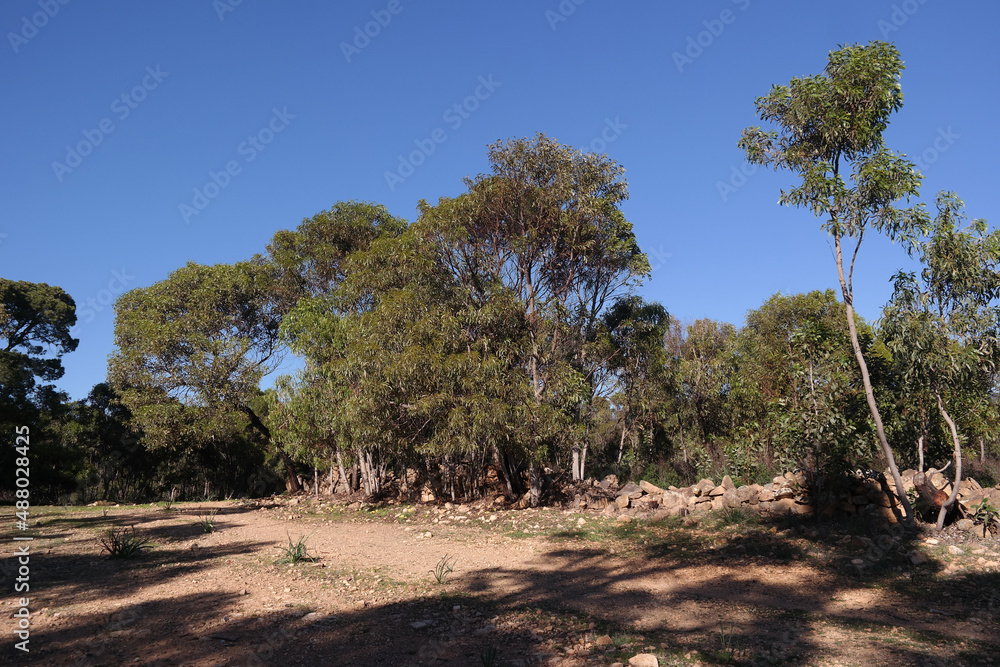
x=530, y=587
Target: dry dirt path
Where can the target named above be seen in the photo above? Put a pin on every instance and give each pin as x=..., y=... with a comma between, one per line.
x=537, y=586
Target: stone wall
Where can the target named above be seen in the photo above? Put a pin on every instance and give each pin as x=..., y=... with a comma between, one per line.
x=787, y=494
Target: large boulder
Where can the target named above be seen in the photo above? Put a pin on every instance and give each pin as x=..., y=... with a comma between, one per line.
x=632, y=490
x=651, y=489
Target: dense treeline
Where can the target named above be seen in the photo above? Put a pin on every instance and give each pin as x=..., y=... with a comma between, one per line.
x=497, y=343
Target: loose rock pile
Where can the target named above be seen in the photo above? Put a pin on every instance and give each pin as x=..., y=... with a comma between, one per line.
x=786, y=494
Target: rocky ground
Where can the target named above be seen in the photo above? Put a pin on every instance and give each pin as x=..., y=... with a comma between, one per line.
x=528, y=587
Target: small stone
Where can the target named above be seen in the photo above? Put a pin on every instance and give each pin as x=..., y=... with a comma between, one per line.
x=644, y=660
x=955, y=551
x=918, y=558
x=417, y=625
x=603, y=640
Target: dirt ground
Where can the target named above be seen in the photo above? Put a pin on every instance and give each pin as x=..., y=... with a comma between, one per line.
x=530, y=587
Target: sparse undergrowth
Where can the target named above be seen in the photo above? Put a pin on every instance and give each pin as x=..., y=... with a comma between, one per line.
x=123, y=542
x=498, y=627
x=295, y=552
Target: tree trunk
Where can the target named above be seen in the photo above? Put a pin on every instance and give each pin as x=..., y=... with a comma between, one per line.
x=343, y=475
x=982, y=452
x=950, y=502
x=684, y=447
x=920, y=453
x=508, y=474
x=292, y=481
x=852, y=328
x=535, y=476
x=621, y=450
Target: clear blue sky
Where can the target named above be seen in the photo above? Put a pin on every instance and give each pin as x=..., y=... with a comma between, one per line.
x=200, y=79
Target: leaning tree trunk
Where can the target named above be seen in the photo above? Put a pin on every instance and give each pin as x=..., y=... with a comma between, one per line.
x=950, y=502
x=852, y=328
x=292, y=479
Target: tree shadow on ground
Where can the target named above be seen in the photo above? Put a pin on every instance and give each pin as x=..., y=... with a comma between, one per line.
x=779, y=601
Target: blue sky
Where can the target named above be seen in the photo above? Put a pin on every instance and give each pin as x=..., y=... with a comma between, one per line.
x=141, y=136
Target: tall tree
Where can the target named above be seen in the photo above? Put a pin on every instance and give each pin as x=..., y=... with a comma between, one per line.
x=829, y=132
x=202, y=339
x=546, y=224
x=636, y=330
x=312, y=262
x=794, y=389
x=35, y=321
x=943, y=328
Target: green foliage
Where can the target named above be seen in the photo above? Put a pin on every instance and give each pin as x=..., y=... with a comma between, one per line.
x=295, y=552
x=35, y=332
x=123, y=542
x=829, y=131
x=191, y=352
x=207, y=522
x=987, y=515
x=942, y=328
x=490, y=656
x=443, y=569
x=736, y=516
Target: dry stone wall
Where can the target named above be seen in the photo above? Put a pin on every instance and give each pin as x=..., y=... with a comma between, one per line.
x=788, y=494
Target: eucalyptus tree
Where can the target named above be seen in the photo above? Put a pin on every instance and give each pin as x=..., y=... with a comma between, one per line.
x=943, y=326
x=829, y=131
x=311, y=263
x=705, y=373
x=546, y=225
x=192, y=350
x=794, y=384
x=636, y=330
x=432, y=373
